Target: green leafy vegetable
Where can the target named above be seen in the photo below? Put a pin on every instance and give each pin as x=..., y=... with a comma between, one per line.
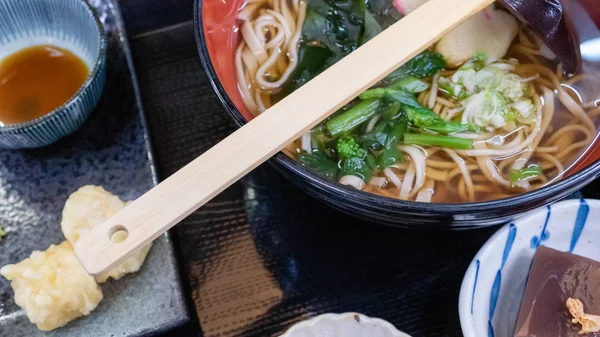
x=347, y=147
x=376, y=140
x=396, y=130
x=316, y=27
x=371, y=161
x=352, y=118
x=403, y=96
x=391, y=110
x=402, y=90
x=319, y=138
x=313, y=59
x=319, y=162
x=372, y=27
x=409, y=83
x=387, y=141
x=420, y=117
x=2, y=232
x=343, y=145
x=438, y=140
x=423, y=65
x=445, y=127
x=332, y=29
x=390, y=156
x=356, y=167
x=430, y=121
x=377, y=93
x=524, y=174
x=385, y=134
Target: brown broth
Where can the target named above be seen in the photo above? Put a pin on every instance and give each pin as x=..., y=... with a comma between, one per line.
x=36, y=80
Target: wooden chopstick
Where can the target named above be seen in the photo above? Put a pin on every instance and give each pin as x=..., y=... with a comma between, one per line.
x=191, y=187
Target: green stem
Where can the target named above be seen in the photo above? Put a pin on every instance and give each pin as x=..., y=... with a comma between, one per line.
x=376, y=93
x=409, y=83
x=444, y=127
x=352, y=118
x=438, y=140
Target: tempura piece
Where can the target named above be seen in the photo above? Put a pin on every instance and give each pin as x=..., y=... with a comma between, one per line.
x=91, y=206
x=589, y=323
x=52, y=287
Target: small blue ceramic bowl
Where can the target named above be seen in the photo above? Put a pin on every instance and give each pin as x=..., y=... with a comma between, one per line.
x=494, y=284
x=71, y=25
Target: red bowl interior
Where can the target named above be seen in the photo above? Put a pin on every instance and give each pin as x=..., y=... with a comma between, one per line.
x=221, y=31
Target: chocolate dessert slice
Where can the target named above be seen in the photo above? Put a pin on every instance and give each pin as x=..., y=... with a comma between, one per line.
x=554, y=278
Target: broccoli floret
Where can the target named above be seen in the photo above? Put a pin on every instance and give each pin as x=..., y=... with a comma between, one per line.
x=2, y=232
x=348, y=148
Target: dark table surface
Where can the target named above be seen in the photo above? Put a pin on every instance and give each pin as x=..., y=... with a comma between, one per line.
x=263, y=255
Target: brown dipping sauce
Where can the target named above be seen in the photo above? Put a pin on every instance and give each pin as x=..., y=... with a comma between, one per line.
x=36, y=80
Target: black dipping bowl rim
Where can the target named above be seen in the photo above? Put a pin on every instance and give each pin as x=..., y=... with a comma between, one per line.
x=344, y=192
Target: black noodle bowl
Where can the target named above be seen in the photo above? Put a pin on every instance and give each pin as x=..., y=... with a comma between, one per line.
x=401, y=213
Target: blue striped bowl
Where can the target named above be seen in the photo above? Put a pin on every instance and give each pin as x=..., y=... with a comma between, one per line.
x=494, y=284
x=69, y=24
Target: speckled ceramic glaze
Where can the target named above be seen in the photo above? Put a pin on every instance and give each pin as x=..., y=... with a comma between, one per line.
x=344, y=325
x=69, y=24
x=217, y=36
x=494, y=284
x=111, y=149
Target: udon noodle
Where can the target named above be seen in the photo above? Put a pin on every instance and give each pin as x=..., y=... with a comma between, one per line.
x=268, y=52
x=562, y=126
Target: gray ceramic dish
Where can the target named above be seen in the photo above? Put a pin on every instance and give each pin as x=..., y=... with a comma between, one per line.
x=70, y=24
x=111, y=149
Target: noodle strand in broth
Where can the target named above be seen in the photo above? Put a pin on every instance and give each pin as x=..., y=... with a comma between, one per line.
x=268, y=53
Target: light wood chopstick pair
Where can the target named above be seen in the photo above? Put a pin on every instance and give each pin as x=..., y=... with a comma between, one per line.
x=165, y=205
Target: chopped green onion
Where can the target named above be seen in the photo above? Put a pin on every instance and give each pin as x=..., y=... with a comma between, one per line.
x=525, y=173
x=524, y=107
x=489, y=78
x=452, y=89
